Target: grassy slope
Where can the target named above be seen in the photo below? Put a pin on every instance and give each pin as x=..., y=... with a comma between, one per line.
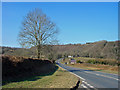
x=95, y=67
x=60, y=79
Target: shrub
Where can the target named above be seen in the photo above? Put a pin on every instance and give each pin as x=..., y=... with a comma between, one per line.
x=79, y=61
x=105, y=62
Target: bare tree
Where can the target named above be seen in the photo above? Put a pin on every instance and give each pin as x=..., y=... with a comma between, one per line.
x=37, y=30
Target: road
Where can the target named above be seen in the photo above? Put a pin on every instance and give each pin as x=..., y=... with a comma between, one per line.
x=93, y=79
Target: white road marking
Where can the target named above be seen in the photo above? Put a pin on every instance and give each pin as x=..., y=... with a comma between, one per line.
x=109, y=77
x=77, y=75
x=73, y=73
x=98, y=74
x=88, y=84
x=102, y=75
x=80, y=78
x=83, y=85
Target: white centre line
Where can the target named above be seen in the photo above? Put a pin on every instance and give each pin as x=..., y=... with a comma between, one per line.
x=80, y=78
x=102, y=75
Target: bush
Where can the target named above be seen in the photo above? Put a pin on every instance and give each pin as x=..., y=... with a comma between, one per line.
x=79, y=61
x=91, y=61
x=105, y=62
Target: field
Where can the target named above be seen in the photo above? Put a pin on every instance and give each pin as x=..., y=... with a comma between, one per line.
x=57, y=80
x=103, y=65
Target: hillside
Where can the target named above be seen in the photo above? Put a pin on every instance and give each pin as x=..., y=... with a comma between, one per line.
x=100, y=49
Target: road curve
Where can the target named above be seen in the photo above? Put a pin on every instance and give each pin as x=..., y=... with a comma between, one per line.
x=93, y=79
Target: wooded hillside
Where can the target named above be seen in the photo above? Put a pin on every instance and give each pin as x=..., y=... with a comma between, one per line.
x=100, y=49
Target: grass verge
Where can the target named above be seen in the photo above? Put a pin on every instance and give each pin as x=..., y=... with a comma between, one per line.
x=100, y=68
x=60, y=79
x=94, y=67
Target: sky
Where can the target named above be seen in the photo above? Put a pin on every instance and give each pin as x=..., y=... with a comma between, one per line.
x=78, y=22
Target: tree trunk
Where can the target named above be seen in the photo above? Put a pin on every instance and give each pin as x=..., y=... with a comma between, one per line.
x=39, y=54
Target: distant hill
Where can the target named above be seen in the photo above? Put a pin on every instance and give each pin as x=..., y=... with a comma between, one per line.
x=100, y=49
x=17, y=51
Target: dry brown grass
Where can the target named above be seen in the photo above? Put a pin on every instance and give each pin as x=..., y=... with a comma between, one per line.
x=96, y=67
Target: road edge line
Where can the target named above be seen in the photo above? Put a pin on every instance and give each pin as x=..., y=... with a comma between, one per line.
x=72, y=73
x=75, y=75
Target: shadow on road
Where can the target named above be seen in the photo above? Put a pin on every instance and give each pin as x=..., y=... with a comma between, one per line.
x=79, y=70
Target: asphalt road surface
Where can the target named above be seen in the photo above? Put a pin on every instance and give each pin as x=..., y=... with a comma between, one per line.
x=93, y=79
